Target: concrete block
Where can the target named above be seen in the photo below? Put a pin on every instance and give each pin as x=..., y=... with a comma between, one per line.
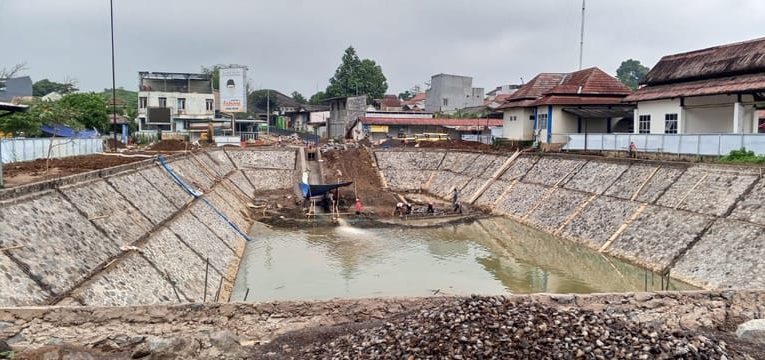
x=192, y=174
x=658, y=236
x=600, y=220
x=729, y=255
x=184, y=268
x=217, y=225
x=752, y=331
x=752, y=206
x=18, y=289
x=221, y=158
x=596, y=176
x=658, y=184
x=521, y=199
x=492, y=193
x=210, y=164
x=444, y=182
x=551, y=214
x=203, y=241
x=409, y=160
x=717, y=193
x=265, y=179
x=471, y=187
x=144, y=196
x=263, y=159
x=240, y=181
x=481, y=164
x=161, y=180
x=552, y=170
x=407, y=180
x=520, y=167
x=678, y=190
x=128, y=282
x=224, y=202
x=111, y=212
x=626, y=185
x=457, y=162
x=61, y=247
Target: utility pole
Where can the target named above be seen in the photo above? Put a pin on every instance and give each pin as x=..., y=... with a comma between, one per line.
x=581, y=39
x=268, y=110
x=114, y=78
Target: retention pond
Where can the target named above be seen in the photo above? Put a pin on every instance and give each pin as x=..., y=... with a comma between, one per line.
x=489, y=256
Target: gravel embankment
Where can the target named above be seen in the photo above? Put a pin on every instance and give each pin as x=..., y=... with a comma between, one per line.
x=491, y=327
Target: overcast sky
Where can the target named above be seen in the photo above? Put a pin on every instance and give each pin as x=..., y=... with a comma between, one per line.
x=297, y=44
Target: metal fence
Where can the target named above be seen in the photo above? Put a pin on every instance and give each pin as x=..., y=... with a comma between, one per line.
x=14, y=150
x=486, y=139
x=687, y=144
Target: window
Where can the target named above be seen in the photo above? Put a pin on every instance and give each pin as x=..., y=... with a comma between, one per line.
x=531, y=117
x=446, y=102
x=542, y=124
x=670, y=123
x=163, y=102
x=644, y=124
x=142, y=102
x=512, y=118
x=181, y=104
x=209, y=104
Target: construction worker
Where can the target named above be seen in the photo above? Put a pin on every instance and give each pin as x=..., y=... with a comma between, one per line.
x=359, y=208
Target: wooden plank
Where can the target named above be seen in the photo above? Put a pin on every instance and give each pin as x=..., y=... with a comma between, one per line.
x=645, y=182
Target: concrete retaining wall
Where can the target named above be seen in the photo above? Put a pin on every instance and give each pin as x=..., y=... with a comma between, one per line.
x=134, y=236
x=702, y=224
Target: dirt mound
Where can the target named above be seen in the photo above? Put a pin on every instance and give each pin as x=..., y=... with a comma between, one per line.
x=492, y=327
x=170, y=145
x=30, y=171
x=455, y=145
x=356, y=165
x=112, y=144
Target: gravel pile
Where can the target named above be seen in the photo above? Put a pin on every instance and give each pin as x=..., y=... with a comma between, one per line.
x=492, y=327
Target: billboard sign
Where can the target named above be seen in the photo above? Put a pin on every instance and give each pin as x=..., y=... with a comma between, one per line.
x=233, y=90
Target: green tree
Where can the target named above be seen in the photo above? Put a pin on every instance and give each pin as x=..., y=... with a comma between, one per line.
x=214, y=72
x=299, y=97
x=39, y=113
x=318, y=98
x=91, y=110
x=259, y=99
x=45, y=87
x=406, y=95
x=357, y=77
x=127, y=103
x=631, y=72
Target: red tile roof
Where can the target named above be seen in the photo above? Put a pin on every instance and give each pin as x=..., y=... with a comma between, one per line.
x=585, y=87
x=430, y=122
x=726, y=85
x=720, y=61
x=391, y=101
x=417, y=98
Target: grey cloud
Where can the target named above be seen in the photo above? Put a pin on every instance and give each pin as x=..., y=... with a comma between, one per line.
x=296, y=44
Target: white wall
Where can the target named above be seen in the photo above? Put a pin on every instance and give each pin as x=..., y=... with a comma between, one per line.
x=700, y=115
x=521, y=128
x=658, y=109
x=195, y=103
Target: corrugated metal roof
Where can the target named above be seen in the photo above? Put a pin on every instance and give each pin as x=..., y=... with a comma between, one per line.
x=430, y=122
x=726, y=85
x=720, y=61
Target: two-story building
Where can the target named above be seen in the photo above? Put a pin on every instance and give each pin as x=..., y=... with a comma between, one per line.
x=710, y=91
x=552, y=105
x=343, y=112
x=449, y=93
x=174, y=101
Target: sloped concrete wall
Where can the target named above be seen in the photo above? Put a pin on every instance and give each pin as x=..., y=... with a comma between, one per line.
x=702, y=224
x=134, y=236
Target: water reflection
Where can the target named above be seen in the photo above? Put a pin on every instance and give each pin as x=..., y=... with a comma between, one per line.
x=494, y=256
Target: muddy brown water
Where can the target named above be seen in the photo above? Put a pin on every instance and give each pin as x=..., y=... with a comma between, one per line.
x=489, y=256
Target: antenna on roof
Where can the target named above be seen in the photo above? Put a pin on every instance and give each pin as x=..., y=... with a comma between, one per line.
x=581, y=39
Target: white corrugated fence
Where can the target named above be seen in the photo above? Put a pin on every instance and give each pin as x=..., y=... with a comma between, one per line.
x=687, y=144
x=16, y=149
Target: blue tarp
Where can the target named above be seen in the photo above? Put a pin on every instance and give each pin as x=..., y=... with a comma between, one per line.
x=65, y=131
x=319, y=190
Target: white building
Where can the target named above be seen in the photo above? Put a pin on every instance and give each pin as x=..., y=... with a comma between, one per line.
x=711, y=91
x=553, y=105
x=174, y=101
x=449, y=93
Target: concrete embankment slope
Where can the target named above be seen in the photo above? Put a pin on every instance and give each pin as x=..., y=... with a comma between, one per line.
x=134, y=234
x=703, y=224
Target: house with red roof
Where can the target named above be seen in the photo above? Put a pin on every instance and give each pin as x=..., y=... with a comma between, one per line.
x=553, y=105
x=715, y=90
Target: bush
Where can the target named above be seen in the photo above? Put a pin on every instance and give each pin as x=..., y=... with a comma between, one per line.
x=743, y=156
